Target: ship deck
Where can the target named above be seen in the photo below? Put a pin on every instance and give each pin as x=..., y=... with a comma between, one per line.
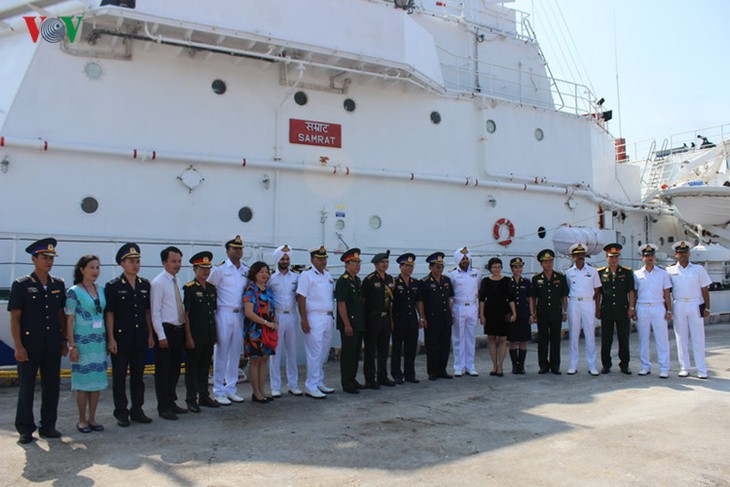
x=518, y=430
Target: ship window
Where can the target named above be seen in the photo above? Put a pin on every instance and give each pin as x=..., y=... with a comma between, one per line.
x=539, y=135
x=661, y=240
x=89, y=205
x=491, y=126
x=219, y=87
x=639, y=243
x=245, y=214
x=375, y=222
x=349, y=105
x=300, y=98
x=541, y=232
x=670, y=239
x=436, y=118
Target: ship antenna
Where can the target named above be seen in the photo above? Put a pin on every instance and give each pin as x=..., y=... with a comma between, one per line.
x=618, y=91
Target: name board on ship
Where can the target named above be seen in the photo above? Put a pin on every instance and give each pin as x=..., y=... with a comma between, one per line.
x=309, y=132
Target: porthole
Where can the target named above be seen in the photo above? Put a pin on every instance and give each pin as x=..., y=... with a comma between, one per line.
x=218, y=86
x=349, y=105
x=639, y=243
x=245, y=214
x=491, y=126
x=340, y=224
x=435, y=118
x=89, y=204
x=623, y=240
x=300, y=98
x=541, y=232
x=93, y=70
x=661, y=240
x=375, y=222
x=539, y=135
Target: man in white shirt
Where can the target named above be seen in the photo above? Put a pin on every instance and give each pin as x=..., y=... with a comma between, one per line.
x=465, y=280
x=168, y=318
x=283, y=285
x=584, y=283
x=229, y=278
x=690, y=289
x=315, y=297
x=653, y=309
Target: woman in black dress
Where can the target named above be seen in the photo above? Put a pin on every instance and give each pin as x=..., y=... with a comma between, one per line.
x=496, y=311
x=521, y=331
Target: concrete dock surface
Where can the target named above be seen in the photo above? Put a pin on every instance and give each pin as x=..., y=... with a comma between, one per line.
x=514, y=430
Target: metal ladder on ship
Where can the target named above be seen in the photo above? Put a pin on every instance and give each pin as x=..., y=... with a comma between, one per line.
x=658, y=169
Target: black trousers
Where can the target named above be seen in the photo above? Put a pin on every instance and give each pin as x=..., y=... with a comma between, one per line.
x=623, y=330
x=167, y=367
x=50, y=366
x=377, y=341
x=405, y=341
x=197, y=368
x=135, y=360
x=349, y=357
x=438, y=348
x=548, y=343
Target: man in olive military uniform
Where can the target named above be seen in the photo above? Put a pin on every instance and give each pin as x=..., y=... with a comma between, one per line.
x=616, y=304
x=129, y=334
x=200, y=301
x=437, y=293
x=406, y=295
x=350, y=320
x=377, y=293
x=549, y=297
x=37, y=325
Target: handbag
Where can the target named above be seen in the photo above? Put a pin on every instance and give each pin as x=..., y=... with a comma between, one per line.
x=269, y=337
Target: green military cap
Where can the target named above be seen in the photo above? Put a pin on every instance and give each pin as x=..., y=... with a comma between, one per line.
x=545, y=254
x=613, y=249
x=380, y=256
x=202, y=259
x=352, y=254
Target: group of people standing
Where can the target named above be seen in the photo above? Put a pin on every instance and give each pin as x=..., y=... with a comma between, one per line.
x=230, y=309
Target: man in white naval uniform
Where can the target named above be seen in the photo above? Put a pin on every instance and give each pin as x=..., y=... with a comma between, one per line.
x=316, y=299
x=653, y=309
x=230, y=280
x=283, y=285
x=690, y=284
x=584, y=283
x=465, y=309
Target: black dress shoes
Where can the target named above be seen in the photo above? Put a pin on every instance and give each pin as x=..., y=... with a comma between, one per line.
x=359, y=386
x=51, y=433
x=557, y=372
x=168, y=415
x=399, y=380
x=351, y=390
x=432, y=377
x=445, y=375
x=208, y=402
x=606, y=370
x=372, y=385
x=178, y=410
x=626, y=370
x=141, y=417
x=386, y=382
x=25, y=438
x=123, y=421
x=193, y=405
x=412, y=380
x=543, y=371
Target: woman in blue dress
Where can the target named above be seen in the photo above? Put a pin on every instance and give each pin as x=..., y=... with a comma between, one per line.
x=258, y=308
x=87, y=341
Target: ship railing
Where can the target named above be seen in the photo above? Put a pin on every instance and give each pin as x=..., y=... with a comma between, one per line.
x=465, y=74
x=681, y=142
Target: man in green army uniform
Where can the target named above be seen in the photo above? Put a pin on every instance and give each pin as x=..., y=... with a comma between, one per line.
x=377, y=293
x=350, y=320
x=616, y=304
x=200, y=300
x=549, y=295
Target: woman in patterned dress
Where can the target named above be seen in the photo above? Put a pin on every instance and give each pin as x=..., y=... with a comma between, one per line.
x=87, y=341
x=258, y=308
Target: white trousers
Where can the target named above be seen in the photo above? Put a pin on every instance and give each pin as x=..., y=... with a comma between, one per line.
x=582, y=316
x=688, y=322
x=651, y=318
x=463, y=336
x=227, y=351
x=317, y=348
x=288, y=325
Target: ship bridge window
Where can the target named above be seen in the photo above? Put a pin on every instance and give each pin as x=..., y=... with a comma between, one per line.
x=541, y=232
x=218, y=86
x=89, y=205
x=349, y=105
x=435, y=118
x=491, y=126
x=245, y=214
x=300, y=98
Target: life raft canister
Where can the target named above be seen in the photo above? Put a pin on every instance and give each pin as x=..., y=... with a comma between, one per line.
x=497, y=230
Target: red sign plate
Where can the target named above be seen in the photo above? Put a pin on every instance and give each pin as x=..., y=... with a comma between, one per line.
x=309, y=132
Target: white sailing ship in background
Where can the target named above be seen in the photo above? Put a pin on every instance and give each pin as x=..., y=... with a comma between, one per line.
x=410, y=126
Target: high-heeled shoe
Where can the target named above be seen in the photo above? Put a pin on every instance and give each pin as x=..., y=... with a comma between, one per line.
x=256, y=399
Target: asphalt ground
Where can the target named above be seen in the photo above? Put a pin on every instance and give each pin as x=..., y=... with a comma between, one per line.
x=514, y=430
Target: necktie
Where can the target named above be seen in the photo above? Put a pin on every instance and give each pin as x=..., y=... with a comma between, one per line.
x=178, y=299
